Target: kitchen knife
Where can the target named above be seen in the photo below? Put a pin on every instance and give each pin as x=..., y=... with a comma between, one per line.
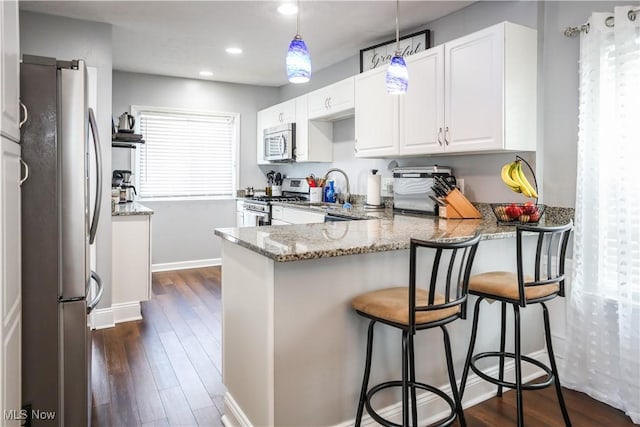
x=442, y=188
x=438, y=201
x=438, y=191
x=443, y=182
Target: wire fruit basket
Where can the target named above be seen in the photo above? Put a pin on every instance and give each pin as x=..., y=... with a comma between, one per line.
x=518, y=213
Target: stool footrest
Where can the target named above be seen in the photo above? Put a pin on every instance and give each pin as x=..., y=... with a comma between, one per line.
x=550, y=378
x=448, y=420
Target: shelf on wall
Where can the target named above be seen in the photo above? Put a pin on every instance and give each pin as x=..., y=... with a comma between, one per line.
x=126, y=144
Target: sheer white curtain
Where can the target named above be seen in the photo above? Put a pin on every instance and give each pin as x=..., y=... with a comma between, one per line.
x=603, y=319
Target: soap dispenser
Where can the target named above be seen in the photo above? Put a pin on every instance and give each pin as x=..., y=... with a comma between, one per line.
x=330, y=193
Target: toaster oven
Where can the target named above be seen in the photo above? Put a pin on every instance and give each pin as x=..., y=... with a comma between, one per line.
x=412, y=188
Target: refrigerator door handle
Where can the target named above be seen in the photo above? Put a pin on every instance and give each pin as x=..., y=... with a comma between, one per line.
x=98, y=205
x=92, y=305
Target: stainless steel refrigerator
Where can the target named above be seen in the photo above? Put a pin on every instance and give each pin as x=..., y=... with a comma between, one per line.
x=59, y=222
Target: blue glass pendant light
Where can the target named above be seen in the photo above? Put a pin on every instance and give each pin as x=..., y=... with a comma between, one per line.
x=397, y=79
x=298, y=58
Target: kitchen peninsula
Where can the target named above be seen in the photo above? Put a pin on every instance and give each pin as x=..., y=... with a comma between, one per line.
x=293, y=349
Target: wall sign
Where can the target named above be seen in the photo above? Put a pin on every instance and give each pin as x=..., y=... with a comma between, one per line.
x=381, y=54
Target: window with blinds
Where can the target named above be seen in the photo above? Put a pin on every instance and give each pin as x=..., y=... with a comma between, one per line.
x=187, y=154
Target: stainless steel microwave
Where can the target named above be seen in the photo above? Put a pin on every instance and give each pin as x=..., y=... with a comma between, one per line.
x=280, y=143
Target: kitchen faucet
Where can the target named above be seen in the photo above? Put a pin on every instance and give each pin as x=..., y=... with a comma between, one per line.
x=326, y=175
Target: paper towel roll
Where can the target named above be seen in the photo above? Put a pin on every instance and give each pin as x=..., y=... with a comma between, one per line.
x=373, y=190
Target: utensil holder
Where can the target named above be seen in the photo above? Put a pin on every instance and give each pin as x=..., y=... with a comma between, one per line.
x=315, y=194
x=276, y=190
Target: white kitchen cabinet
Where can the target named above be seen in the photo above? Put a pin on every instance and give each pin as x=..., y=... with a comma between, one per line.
x=471, y=95
x=314, y=140
x=376, y=116
x=421, y=112
x=286, y=215
x=332, y=102
x=131, y=265
x=9, y=70
x=239, y=213
x=490, y=90
x=10, y=280
x=279, y=114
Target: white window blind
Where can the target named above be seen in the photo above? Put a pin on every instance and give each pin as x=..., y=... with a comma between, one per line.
x=187, y=154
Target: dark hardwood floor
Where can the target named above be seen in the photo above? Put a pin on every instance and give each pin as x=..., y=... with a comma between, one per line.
x=166, y=370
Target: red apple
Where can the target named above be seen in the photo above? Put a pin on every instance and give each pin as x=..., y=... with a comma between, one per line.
x=528, y=208
x=513, y=210
x=535, y=217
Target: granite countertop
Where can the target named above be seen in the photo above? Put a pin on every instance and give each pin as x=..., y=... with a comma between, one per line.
x=385, y=231
x=132, y=208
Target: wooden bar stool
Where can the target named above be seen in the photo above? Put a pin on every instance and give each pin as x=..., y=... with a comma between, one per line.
x=411, y=309
x=521, y=290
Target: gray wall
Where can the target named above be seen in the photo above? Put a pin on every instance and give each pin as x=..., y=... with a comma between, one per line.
x=183, y=230
x=66, y=38
x=555, y=159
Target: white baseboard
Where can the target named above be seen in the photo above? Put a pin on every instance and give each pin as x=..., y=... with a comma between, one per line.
x=430, y=407
x=185, y=265
x=103, y=318
x=233, y=415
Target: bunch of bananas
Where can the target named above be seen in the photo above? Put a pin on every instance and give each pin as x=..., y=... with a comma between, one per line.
x=513, y=176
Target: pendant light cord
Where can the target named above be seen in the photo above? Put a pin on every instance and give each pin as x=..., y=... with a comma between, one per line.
x=397, y=27
x=298, y=19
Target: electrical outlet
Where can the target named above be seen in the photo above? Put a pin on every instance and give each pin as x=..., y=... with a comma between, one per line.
x=460, y=183
x=387, y=187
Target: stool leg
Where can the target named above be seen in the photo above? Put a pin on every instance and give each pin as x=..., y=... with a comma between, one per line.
x=518, y=363
x=554, y=369
x=412, y=381
x=405, y=380
x=452, y=377
x=367, y=371
x=503, y=332
x=472, y=343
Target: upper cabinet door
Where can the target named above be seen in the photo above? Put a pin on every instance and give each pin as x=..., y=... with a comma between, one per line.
x=332, y=102
x=376, y=116
x=474, y=72
x=9, y=70
x=422, y=107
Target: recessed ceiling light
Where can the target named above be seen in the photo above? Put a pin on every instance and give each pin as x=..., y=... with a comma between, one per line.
x=206, y=73
x=288, y=9
x=234, y=50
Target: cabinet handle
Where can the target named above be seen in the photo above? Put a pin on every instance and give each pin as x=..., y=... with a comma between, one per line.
x=355, y=146
x=26, y=172
x=26, y=115
x=439, y=134
x=446, y=130
x=329, y=103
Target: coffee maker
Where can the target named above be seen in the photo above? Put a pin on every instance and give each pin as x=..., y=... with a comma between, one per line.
x=121, y=181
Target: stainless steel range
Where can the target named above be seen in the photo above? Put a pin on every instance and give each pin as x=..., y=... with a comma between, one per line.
x=257, y=210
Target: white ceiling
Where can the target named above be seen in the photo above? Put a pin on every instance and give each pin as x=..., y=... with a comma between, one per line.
x=181, y=38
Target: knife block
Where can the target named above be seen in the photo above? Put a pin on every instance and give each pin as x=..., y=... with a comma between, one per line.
x=458, y=206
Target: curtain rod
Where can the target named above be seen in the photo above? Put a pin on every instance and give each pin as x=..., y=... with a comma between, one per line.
x=609, y=22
